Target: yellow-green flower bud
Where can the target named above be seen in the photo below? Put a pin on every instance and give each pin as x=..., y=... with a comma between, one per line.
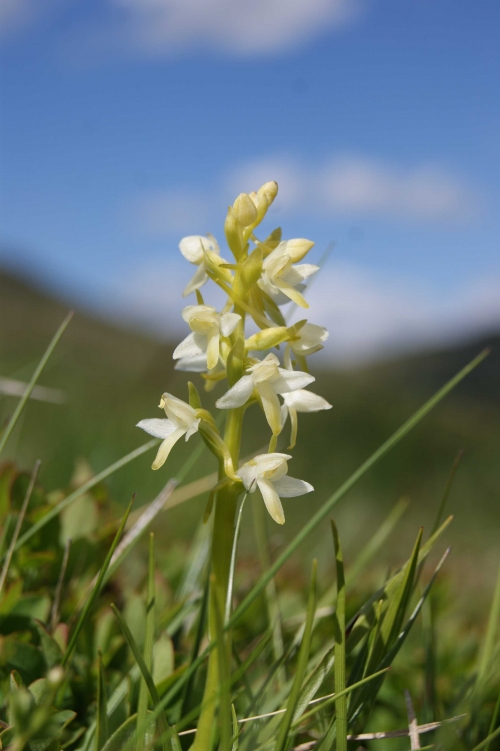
x=269, y=191
x=267, y=338
x=298, y=248
x=234, y=235
x=245, y=210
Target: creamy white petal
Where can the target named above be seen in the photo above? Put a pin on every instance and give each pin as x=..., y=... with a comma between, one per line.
x=298, y=273
x=284, y=414
x=190, y=347
x=192, y=247
x=181, y=413
x=157, y=427
x=261, y=465
x=290, y=291
x=272, y=500
x=199, y=279
x=197, y=364
x=270, y=405
x=237, y=395
x=291, y=380
x=193, y=428
x=305, y=401
x=213, y=349
x=166, y=448
x=228, y=323
x=289, y=487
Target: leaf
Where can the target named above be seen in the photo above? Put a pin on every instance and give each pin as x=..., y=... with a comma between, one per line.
x=340, y=636
x=102, y=731
x=51, y=650
x=148, y=641
x=97, y=587
x=301, y=667
x=79, y=520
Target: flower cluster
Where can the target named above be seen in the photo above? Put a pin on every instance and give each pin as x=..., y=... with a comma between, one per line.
x=264, y=275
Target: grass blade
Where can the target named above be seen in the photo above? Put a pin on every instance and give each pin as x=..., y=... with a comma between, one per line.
x=97, y=588
x=489, y=641
x=147, y=677
x=326, y=508
x=142, y=707
x=41, y=365
x=447, y=490
x=20, y=519
x=301, y=668
x=339, y=634
x=102, y=730
x=232, y=566
x=487, y=741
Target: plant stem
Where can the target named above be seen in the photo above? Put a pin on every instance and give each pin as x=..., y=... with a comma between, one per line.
x=222, y=542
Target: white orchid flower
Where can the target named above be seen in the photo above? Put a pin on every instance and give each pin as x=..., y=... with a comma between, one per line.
x=300, y=401
x=268, y=472
x=309, y=339
x=281, y=276
x=207, y=326
x=194, y=249
x=269, y=380
x=182, y=420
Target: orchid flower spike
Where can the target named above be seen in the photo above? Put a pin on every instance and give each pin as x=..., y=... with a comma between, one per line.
x=207, y=326
x=194, y=249
x=182, y=420
x=268, y=472
x=269, y=380
x=300, y=401
x=279, y=275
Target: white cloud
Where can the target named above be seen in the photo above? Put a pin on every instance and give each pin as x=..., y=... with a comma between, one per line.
x=343, y=186
x=368, y=315
x=17, y=15
x=237, y=27
x=353, y=185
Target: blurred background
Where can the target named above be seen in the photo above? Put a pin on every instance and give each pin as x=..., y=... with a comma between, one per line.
x=127, y=124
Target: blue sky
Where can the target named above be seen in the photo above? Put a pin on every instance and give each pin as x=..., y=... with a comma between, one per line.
x=126, y=124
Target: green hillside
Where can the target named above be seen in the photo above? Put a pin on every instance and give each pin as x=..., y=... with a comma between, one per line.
x=113, y=377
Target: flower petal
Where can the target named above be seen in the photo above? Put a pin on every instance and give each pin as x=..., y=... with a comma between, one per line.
x=197, y=364
x=272, y=500
x=228, y=323
x=166, y=447
x=289, y=487
x=299, y=273
x=305, y=401
x=190, y=347
x=292, y=293
x=213, y=349
x=237, y=395
x=199, y=279
x=270, y=405
x=157, y=427
x=291, y=380
x=192, y=248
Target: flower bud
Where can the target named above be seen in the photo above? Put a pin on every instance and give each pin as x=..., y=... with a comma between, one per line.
x=234, y=236
x=245, y=210
x=299, y=248
x=267, y=338
x=269, y=191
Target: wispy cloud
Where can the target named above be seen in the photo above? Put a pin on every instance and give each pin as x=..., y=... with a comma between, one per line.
x=368, y=315
x=17, y=15
x=236, y=27
x=343, y=186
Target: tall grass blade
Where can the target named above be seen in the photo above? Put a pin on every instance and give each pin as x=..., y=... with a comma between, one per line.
x=54, y=613
x=447, y=490
x=301, y=667
x=17, y=529
x=148, y=679
x=339, y=634
x=232, y=565
x=142, y=707
x=102, y=730
x=41, y=365
x=97, y=588
x=487, y=741
x=326, y=508
x=489, y=641
x=494, y=719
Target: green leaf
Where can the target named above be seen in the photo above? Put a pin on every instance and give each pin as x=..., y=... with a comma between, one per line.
x=50, y=648
x=102, y=730
x=339, y=634
x=97, y=587
x=148, y=641
x=301, y=668
x=224, y=658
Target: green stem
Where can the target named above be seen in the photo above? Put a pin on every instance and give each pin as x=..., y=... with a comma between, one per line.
x=222, y=541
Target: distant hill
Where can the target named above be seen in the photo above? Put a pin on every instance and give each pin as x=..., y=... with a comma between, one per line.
x=113, y=377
